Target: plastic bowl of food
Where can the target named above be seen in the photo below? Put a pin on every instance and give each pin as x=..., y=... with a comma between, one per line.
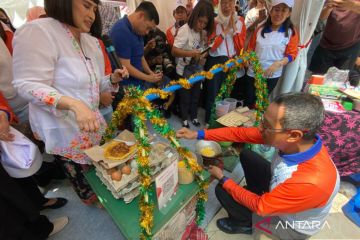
x=225, y=144
x=208, y=148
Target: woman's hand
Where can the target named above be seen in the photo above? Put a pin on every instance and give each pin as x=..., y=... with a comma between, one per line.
x=5, y=134
x=106, y=98
x=270, y=71
x=85, y=118
x=119, y=75
x=231, y=25
x=196, y=54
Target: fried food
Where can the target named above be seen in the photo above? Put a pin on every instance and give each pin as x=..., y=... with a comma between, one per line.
x=118, y=150
x=207, y=152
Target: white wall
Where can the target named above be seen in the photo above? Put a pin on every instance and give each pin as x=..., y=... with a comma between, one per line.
x=16, y=9
x=164, y=7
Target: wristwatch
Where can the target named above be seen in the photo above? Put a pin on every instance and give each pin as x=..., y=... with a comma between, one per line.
x=223, y=180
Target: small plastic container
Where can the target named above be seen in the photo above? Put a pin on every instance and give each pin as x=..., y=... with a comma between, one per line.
x=232, y=103
x=222, y=108
x=316, y=79
x=347, y=104
x=185, y=175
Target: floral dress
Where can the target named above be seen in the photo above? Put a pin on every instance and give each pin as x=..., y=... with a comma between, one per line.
x=48, y=64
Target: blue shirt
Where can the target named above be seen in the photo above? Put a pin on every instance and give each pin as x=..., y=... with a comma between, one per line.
x=128, y=45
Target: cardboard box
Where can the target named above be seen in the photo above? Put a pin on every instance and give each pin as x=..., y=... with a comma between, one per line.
x=161, y=155
x=96, y=153
x=175, y=228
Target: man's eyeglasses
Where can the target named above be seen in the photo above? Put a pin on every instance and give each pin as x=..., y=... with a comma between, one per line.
x=265, y=126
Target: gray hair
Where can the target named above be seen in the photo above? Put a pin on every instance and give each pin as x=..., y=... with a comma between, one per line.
x=303, y=111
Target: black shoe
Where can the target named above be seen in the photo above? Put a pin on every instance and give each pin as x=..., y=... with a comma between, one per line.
x=167, y=114
x=58, y=204
x=228, y=226
x=195, y=122
x=185, y=123
x=176, y=111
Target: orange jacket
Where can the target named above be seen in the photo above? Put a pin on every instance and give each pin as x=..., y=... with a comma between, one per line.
x=310, y=186
x=108, y=69
x=4, y=106
x=170, y=36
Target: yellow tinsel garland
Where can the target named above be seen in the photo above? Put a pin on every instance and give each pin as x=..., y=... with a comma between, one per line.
x=135, y=102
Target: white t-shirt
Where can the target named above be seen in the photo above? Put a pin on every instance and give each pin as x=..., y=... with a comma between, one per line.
x=187, y=39
x=270, y=49
x=49, y=64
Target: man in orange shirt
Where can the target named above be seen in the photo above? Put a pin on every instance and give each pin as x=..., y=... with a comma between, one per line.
x=299, y=184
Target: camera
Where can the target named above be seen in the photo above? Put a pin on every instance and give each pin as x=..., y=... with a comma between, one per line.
x=161, y=49
x=167, y=64
x=160, y=43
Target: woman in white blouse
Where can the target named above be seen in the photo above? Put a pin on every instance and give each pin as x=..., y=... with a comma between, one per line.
x=228, y=41
x=58, y=68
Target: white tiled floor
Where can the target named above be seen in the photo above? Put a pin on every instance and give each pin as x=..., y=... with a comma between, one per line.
x=340, y=226
x=215, y=234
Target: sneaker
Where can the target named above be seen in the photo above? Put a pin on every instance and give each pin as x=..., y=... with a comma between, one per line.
x=185, y=123
x=59, y=224
x=195, y=122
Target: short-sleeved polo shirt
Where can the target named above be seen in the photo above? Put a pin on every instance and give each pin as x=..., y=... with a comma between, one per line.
x=128, y=45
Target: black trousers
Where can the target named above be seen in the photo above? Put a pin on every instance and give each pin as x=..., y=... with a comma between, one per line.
x=238, y=91
x=47, y=172
x=20, y=218
x=324, y=58
x=213, y=85
x=29, y=187
x=250, y=96
x=258, y=175
x=189, y=98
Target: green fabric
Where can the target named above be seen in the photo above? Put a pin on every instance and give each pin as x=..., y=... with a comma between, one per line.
x=126, y=216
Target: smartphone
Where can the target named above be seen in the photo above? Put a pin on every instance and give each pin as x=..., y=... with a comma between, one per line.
x=205, y=50
x=158, y=69
x=262, y=12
